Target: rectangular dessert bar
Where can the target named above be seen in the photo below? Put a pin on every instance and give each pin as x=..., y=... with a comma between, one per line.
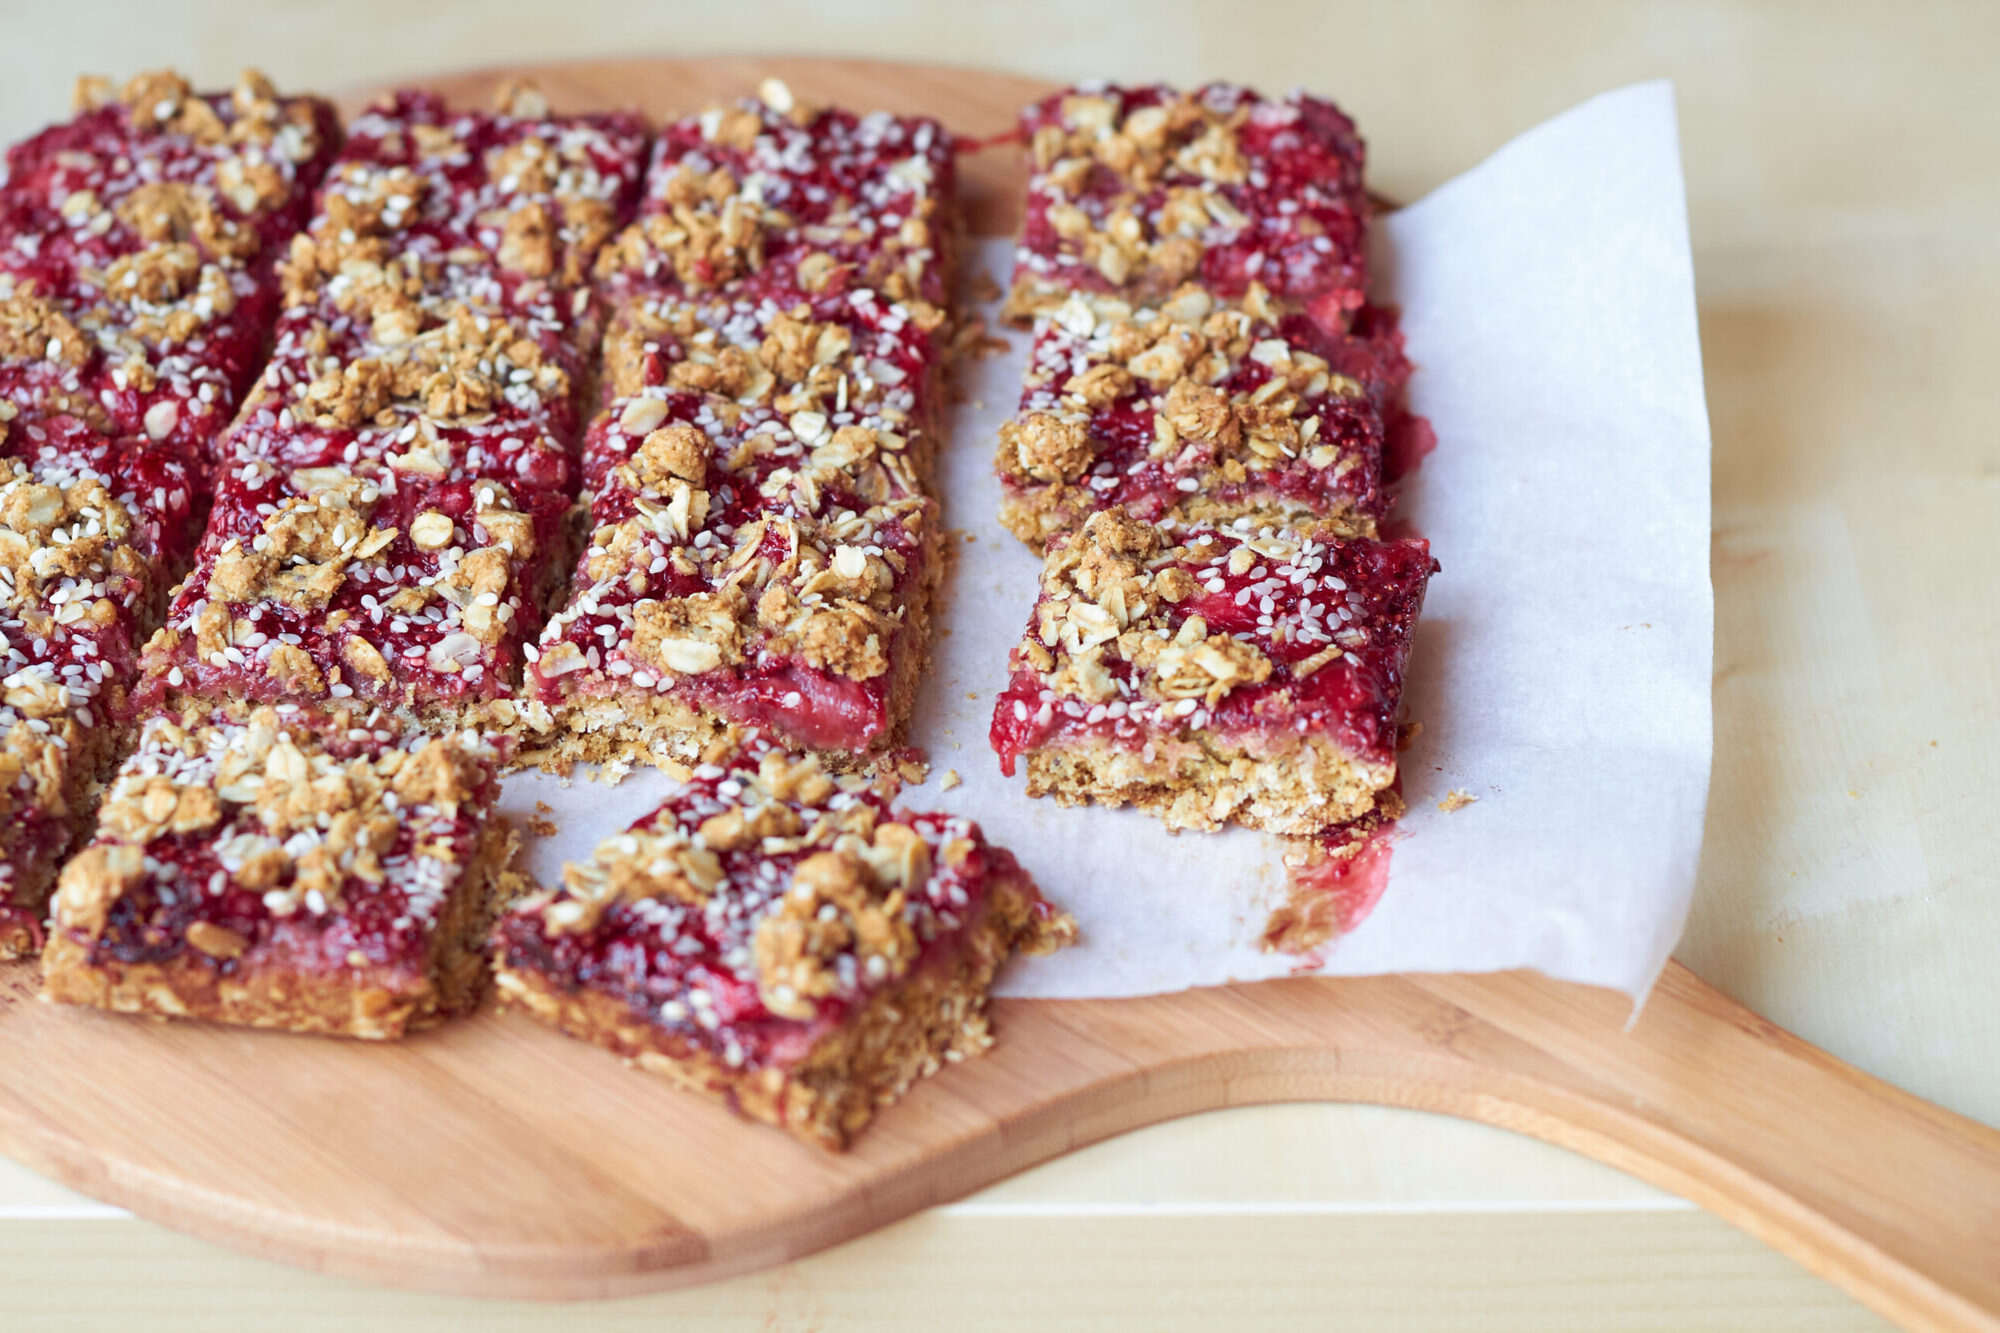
x=1214, y=675
x=1136, y=190
x=1198, y=410
x=414, y=588
x=807, y=198
x=137, y=244
x=330, y=873
x=92, y=533
x=525, y=195
x=781, y=939
x=847, y=356
x=746, y=568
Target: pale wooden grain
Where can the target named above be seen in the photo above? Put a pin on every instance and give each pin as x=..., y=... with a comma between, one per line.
x=1815, y=387
x=494, y=1156
x=1568, y=1273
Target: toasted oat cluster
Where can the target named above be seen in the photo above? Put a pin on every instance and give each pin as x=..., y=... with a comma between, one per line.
x=1135, y=191
x=808, y=198
x=1200, y=410
x=137, y=244
x=318, y=872
x=1214, y=675
x=762, y=548
x=779, y=937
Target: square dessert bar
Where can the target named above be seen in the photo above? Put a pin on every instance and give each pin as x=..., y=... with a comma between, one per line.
x=810, y=198
x=781, y=939
x=1214, y=675
x=851, y=357
x=330, y=873
x=136, y=252
x=746, y=568
x=412, y=588
x=229, y=173
x=1134, y=191
x=527, y=195
x=92, y=534
x=1196, y=410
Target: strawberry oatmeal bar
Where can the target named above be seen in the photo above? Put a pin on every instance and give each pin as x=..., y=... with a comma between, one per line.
x=1213, y=675
x=331, y=873
x=91, y=533
x=1198, y=410
x=762, y=550
x=137, y=244
x=415, y=590
x=745, y=567
x=1134, y=191
x=782, y=939
x=393, y=512
x=807, y=198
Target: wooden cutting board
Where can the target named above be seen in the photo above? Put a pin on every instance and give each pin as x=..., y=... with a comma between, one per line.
x=496, y=1157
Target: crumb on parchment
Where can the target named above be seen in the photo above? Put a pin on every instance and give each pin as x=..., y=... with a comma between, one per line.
x=1457, y=799
x=950, y=779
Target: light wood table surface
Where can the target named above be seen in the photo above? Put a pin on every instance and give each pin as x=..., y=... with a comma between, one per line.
x=1846, y=215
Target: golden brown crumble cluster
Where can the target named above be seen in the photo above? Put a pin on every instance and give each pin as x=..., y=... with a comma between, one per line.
x=459, y=369
x=711, y=232
x=801, y=365
x=1177, y=356
x=51, y=533
x=1182, y=136
x=264, y=784
x=35, y=329
x=1106, y=606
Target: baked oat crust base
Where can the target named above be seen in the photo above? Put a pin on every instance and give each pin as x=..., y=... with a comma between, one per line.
x=1302, y=785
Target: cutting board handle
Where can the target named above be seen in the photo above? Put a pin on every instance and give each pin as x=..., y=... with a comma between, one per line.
x=1879, y=1191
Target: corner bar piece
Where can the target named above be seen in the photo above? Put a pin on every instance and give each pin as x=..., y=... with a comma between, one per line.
x=1200, y=411
x=92, y=534
x=779, y=939
x=331, y=873
x=1214, y=676
x=805, y=198
x=1133, y=191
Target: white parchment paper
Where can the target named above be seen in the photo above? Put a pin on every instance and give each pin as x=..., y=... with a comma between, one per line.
x=1562, y=666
